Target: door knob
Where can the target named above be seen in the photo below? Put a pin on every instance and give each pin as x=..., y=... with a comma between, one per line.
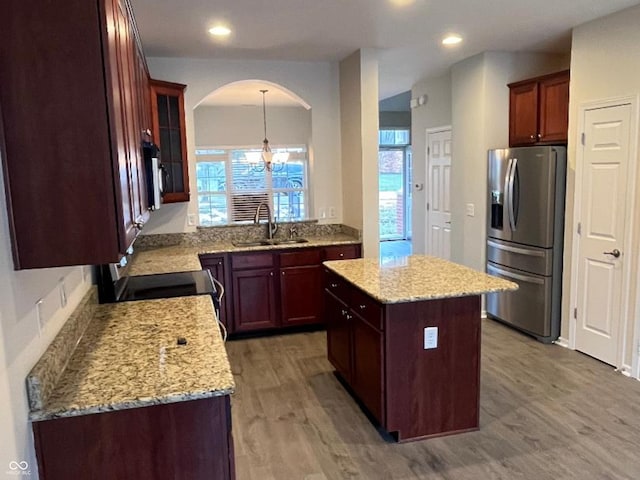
x=615, y=253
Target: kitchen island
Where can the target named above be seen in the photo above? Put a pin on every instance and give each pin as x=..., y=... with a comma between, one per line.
x=404, y=339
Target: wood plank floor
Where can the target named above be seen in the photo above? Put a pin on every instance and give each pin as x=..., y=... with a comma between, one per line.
x=546, y=413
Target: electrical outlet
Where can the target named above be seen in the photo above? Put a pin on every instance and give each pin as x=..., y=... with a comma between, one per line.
x=471, y=210
x=332, y=212
x=322, y=213
x=191, y=219
x=63, y=293
x=430, y=338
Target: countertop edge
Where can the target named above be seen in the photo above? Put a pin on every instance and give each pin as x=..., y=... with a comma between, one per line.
x=406, y=299
x=43, y=415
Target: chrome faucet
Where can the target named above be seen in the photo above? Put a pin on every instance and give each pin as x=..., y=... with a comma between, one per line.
x=272, y=226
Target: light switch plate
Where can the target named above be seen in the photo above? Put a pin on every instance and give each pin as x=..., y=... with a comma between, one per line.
x=471, y=210
x=430, y=338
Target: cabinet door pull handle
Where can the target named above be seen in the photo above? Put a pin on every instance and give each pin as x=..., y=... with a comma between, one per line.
x=341, y=255
x=343, y=311
x=539, y=136
x=363, y=306
x=334, y=285
x=349, y=317
x=532, y=137
x=283, y=274
x=271, y=274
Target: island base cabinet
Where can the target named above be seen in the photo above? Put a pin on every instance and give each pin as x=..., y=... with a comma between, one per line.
x=432, y=392
x=338, y=335
x=379, y=352
x=178, y=441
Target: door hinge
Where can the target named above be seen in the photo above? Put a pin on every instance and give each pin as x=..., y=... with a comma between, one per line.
x=428, y=206
x=583, y=139
x=428, y=151
x=575, y=313
x=579, y=228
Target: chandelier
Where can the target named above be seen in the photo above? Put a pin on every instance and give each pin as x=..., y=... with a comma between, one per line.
x=272, y=162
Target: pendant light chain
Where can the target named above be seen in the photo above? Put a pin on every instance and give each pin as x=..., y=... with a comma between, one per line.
x=264, y=114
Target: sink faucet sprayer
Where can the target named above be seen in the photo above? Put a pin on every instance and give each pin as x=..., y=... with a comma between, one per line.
x=272, y=226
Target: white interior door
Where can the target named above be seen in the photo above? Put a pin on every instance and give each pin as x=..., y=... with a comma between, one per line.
x=604, y=208
x=438, y=221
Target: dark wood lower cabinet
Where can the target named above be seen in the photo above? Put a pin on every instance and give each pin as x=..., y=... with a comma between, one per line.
x=216, y=264
x=367, y=368
x=338, y=335
x=254, y=299
x=378, y=350
x=177, y=441
x=262, y=303
x=301, y=295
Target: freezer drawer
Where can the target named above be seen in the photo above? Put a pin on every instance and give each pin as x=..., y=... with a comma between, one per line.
x=530, y=259
x=529, y=307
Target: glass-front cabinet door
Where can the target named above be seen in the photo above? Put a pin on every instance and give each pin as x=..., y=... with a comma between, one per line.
x=169, y=134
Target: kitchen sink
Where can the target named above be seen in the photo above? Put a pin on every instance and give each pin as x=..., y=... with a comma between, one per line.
x=255, y=243
x=290, y=241
x=262, y=243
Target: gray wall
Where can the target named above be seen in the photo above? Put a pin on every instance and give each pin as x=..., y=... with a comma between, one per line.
x=239, y=126
x=435, y=113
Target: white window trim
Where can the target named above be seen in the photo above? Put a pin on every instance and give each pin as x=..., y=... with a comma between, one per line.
x=269, y=189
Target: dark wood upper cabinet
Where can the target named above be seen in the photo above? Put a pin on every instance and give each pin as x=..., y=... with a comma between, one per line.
x=74, y=102
x=539, y=110
x=167, y=100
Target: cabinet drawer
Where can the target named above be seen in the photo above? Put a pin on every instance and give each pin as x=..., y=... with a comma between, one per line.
x=337, y=285
x=252, y=260
x=341, y=252
x=301, y=258
x=366, y=307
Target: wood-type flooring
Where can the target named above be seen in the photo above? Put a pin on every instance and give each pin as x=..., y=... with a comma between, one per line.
x=545, y=413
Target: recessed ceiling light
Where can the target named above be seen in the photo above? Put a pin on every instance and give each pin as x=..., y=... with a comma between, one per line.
x=452, y=39
x=220, y=31
x=402, y=3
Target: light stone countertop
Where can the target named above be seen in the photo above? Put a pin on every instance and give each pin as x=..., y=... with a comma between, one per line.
x=182, y=258
x=129, y=357
x=416, y=277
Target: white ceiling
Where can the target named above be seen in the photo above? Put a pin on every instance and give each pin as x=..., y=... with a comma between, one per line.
x=407, y=32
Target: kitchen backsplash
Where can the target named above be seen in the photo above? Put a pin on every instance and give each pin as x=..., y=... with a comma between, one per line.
x=235, y=233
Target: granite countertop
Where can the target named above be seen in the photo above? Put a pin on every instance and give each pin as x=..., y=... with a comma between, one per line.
x=128, y=357
x=182, y=258
x=416, y=277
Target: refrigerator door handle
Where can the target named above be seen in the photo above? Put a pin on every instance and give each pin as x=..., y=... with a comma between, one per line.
x=522, y=251
x=507, y=200
x=515, y=276
x=510, y=179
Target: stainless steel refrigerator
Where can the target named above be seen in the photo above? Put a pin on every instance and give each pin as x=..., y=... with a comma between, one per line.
x=525, y=229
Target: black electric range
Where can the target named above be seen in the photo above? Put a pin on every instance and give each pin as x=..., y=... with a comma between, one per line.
x=113, y=288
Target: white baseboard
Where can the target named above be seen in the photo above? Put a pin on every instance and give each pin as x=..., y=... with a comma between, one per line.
x=562, y=342
x=625, y=370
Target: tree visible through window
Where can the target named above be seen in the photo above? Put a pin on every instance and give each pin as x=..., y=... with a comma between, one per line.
x=230, y=188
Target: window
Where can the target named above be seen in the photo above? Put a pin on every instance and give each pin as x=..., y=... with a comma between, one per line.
x=394, y=137
x=394, y=179
x=230, y=188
